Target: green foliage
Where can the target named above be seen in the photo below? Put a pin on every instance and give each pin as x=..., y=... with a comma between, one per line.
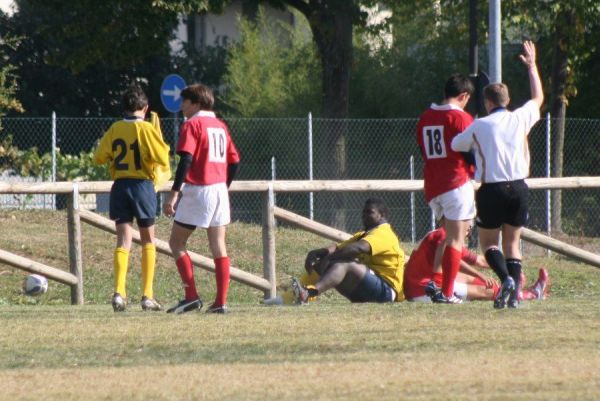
x=83, y=54
x=8, y=79
x=272, y=71
x=29, y=163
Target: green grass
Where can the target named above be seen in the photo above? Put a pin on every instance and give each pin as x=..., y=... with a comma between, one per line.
x=329, y=350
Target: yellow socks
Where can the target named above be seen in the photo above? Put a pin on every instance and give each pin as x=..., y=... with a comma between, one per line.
x=148, y=263
x=311, y=278
x=121, y=262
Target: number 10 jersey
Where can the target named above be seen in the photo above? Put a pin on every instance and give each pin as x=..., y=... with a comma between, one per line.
x=444, y=169
x=207, y=139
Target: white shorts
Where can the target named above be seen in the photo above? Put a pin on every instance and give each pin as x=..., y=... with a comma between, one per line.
x=456, y=204
x=204, y=205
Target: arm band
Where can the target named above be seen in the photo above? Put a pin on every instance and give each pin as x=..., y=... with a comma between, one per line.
x=231, y=171
x=185, y=161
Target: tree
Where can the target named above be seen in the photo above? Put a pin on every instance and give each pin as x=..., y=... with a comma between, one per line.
x=270, y=71
x=331, y=23
x=567, y=24
x=8, y=79
x=76, y=57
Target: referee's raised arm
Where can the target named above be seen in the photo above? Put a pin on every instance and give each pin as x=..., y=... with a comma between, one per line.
x=535, y=83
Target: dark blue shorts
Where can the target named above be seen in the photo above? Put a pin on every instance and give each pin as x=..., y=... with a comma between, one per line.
x=372, y=288
x=133, y=198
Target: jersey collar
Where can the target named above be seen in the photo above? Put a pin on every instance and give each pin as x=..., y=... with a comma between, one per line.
x=132, y=118
x=497, y=109
x=445, y=107
x=204, y=113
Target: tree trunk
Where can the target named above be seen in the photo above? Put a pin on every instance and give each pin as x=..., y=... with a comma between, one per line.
x=331, y=26
x=560, y=74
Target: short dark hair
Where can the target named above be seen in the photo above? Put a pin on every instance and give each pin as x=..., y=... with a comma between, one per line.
x=378, y=204
x=457, y=84
x=134, y=99
x=199, y=94
x=497, y=93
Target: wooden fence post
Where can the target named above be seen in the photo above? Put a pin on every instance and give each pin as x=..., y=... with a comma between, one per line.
x=74, y=235
x=268, y=239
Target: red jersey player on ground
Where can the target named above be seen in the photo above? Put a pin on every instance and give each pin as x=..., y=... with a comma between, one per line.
x=448, y=189
x=208, y=162
x=470, y=284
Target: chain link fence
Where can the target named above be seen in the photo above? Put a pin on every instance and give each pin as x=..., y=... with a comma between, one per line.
x=305, y=148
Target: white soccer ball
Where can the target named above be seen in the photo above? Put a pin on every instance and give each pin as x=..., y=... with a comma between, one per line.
x=35, y=284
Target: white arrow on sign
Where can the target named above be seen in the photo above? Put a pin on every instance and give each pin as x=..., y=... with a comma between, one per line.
x=175, y=93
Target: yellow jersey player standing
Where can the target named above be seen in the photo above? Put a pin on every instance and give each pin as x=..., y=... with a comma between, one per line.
x=138, y=158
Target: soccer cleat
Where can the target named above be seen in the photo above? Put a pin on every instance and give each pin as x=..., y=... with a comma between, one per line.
x=185, y=306
x=300, y=293
x=431, y=289
x=440, y=298
x=540, y=288
x=507, y=289
x=150, y=304
x=118, y=303
x=513, y=301
x=219, y=309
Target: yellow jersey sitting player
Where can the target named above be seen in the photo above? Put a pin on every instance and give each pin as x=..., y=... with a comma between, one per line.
x=369, y=267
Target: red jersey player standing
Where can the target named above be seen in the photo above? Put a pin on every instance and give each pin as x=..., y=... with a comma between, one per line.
x=448, y=189
x=208, y=162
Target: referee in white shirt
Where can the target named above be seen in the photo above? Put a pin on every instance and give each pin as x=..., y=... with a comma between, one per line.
x=499, y=141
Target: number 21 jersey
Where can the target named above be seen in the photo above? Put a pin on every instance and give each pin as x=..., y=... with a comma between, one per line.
x=207, y=139
x=444, y=169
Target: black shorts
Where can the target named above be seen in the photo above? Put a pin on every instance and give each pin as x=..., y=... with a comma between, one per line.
x=132, y=197
x=502, y=203
x=372, y=288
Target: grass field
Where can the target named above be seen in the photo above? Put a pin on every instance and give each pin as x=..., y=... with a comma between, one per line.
x=329, y=350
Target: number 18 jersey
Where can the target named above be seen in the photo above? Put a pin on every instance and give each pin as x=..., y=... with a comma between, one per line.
x=444, y=169
x=207, y=139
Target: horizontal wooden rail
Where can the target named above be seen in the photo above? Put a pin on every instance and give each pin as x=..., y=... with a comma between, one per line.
x=310, y=225
x=290, y=186
x=163, y=247
x=563, y=248
x=38, y=268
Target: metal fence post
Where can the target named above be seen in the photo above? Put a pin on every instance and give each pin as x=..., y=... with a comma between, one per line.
x=53, y=152
x=412, y=202
x=310, y=166
x=548, y=194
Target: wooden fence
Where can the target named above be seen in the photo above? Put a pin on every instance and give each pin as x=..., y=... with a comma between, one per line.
x=270, y=212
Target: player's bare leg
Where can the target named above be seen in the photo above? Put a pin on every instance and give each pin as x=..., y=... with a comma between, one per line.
x=343, y=276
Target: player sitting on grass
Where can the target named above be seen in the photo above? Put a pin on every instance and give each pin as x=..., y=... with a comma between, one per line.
x=422, y=282
x=136, y=152
x=365, y=268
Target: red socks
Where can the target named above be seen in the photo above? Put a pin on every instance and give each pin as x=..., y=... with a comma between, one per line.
x=437, y=278
x=222, y=275
x=450, y=266
x=186, y=271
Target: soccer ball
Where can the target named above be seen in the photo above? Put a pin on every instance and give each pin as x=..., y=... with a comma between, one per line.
x=34, y=285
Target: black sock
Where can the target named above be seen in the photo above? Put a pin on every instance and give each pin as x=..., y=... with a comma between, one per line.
x=496, y=261
x=514, y=269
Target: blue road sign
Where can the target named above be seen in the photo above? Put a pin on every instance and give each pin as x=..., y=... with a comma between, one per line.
x=170, y=91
